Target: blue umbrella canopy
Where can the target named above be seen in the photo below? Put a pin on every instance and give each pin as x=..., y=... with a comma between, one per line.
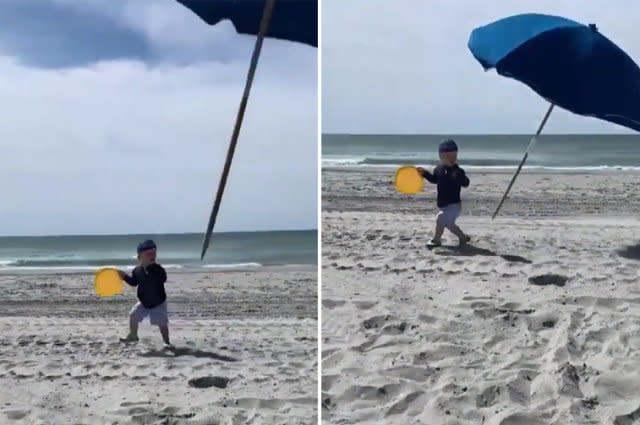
x=568, y=63
x=293, y=20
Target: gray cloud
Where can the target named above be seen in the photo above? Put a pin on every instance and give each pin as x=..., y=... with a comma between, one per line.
x=49, y=34
x=67, y=33
x=404, y=67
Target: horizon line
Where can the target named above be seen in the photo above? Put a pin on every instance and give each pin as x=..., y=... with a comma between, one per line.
x=156, y=234
x=480, y=134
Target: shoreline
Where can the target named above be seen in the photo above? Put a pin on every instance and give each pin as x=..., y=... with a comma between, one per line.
x=362, y=168
x=89, y=271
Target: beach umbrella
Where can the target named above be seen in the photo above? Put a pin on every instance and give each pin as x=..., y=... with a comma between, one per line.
x=569, y=64
x=292, y=20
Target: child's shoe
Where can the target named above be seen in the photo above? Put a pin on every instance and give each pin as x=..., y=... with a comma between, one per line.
x=433, y=243
x=465, y=240
x=129, y=338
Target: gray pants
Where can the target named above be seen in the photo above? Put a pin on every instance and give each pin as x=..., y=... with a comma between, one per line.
x=446, y=218
x=157, y=315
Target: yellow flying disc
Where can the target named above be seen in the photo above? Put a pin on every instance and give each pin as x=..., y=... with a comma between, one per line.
x=409, y=180
x=108, y=282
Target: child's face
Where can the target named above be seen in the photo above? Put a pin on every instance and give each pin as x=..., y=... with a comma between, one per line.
x=148, y=256
x=449, y=158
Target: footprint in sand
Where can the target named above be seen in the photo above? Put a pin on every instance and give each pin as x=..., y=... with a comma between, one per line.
x=515, y=259
x=376, y=322
x=209, y=381
x=631, y=252
x=364, y=305
x=16, y=414
x=628, y=419
x=411, y=373
x=368, y=267
x=548, y=279
x=402, y=405
x=327, y=403
x=542, y=321
x=395, y=328
x=569, y=380
x=425, y=318
x=331, y=304
x=139, y=411
x=521, y=419
x=134, y=403
x=488, y=397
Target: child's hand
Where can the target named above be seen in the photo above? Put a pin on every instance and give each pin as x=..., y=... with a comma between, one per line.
x=121, y=274
x=421, y=171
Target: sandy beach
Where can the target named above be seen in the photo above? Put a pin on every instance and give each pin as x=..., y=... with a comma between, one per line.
x=245, y=351
x=537, y=321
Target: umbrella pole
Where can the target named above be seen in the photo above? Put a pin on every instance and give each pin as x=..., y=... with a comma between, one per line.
x=534, y=139
x=264, y=26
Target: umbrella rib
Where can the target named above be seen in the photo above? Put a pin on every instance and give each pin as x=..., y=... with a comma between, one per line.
x=264, y=26
x=524, y=158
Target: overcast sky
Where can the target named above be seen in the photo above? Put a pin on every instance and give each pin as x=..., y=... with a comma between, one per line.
x=403, y=66
x=116, y=117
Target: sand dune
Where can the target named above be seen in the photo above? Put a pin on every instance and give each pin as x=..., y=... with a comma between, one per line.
x=536, y=322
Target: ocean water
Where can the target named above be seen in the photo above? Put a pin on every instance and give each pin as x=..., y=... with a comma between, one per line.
x=175, y=251
x=570, y=152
